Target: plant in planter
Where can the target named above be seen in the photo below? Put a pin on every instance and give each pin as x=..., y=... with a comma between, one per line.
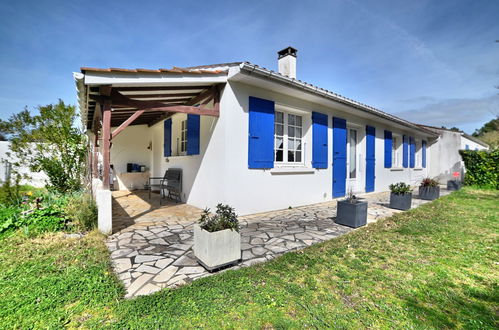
x=429, y=189
x=456, y=183
x=217, y=241
x=351, y=212
x=400, y=196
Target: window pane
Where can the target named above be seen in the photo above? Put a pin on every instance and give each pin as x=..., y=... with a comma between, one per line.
x=291, y=131
x=291, y=120
x=298, y=156
x=279, y=117
x=353, y=154
x=298, y=132
x=278, y=155
x=279, y=129
x=278, y=143
x=291, y=144
x=291, y=157
x=298, y=144
x=298, y=121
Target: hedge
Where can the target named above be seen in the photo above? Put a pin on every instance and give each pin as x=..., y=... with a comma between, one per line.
x=482, y=168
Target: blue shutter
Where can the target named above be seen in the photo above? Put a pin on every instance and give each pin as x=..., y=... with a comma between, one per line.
x=405, y=150
x=339, y=156
x=167, y=138
x=388, y=149
x=423, y=158
x=193, y=125
x=412, y=146
x=319, y=140
x=370, y=158
x=261, y=133
x=467, y=147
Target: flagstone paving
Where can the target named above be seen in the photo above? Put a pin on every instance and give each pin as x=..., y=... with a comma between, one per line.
x=154, y=248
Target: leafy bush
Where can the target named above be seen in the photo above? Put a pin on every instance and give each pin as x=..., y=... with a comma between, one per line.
x=428, y=182
x=81, y=210
x=400, y=188
x=224, y=218
x=9, y=218
x=42, y=220
x=482, y=168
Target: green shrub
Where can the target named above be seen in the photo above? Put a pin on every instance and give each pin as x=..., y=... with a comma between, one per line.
x=224, y=218
x=482, y=168
x=9, y=217
x=81, y=211
x=400, y=188
x=43, y=220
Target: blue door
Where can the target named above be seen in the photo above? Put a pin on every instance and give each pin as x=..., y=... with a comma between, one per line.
x=339, y=156
x=370, y=157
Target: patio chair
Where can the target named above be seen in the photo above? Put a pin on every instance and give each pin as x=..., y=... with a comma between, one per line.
x=171, y=181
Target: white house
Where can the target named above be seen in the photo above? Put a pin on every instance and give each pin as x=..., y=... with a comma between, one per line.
x=445, y=153
x=7, y=160
x=247, y=136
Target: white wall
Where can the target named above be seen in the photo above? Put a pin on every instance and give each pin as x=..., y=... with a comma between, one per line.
x=130, y=146
x=255, y=190
x=471, y=144
x=36, y=179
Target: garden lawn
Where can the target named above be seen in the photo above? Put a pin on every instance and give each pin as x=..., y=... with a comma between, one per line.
x=432, y=267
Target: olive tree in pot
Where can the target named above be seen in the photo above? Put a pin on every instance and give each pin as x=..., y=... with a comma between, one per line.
x=429, y=189
x=400, y=196
x=351, y=212
x=217, y=241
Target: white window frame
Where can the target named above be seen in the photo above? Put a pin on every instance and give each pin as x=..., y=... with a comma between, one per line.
x=183, y=137
x=397, y=151
x=285, y=138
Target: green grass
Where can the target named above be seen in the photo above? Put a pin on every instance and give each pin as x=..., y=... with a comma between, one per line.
x=433, y=267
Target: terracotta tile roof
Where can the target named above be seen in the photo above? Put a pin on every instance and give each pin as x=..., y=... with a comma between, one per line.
x=175, y=69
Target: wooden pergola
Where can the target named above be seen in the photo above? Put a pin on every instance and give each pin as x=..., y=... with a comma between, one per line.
x=120, y=106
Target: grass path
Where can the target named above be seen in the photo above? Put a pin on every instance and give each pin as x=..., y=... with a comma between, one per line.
x=432, y=267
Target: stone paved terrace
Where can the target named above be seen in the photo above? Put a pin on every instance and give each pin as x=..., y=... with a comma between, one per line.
x=152, y=248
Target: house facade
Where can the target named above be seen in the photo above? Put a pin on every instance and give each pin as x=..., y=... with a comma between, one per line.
x=262, y=141
x=445, y=153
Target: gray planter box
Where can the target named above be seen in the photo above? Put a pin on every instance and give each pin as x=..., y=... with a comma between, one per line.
x=218, y=249
x=429, y=193
x=453, y=185
x=400, y=201
x=351, y=214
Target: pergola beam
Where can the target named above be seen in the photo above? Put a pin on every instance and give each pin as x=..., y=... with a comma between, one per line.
x=126, y=123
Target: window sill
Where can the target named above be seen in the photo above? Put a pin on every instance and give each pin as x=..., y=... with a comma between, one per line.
x=394, y=169
x=292, y=170
x=418, y=169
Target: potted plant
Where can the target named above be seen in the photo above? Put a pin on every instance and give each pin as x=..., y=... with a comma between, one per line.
x=429, y=189
x=454, y=184
x=351, y=212
x=217, y=241
x=400, y=196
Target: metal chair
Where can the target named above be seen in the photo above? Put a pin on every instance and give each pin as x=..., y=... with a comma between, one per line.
x=171, y=181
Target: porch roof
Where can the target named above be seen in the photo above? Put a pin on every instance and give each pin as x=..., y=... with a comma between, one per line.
x=157, y=93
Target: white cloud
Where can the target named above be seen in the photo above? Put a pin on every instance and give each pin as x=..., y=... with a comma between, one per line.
x=454, y=112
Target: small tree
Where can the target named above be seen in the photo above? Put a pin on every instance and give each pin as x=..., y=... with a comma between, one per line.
x=49, y=142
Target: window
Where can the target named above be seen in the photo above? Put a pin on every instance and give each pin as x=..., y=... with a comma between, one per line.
x=419, y=162
x=396, y=151
x=352, y=141
x=287, y=138
x=183, y=136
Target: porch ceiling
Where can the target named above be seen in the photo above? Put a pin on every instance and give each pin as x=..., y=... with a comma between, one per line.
x=126, y=100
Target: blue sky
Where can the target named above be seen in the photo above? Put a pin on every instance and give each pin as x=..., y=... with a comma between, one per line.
x=432, y=62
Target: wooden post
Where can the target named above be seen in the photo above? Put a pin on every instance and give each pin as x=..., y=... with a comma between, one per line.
x=106, y=142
